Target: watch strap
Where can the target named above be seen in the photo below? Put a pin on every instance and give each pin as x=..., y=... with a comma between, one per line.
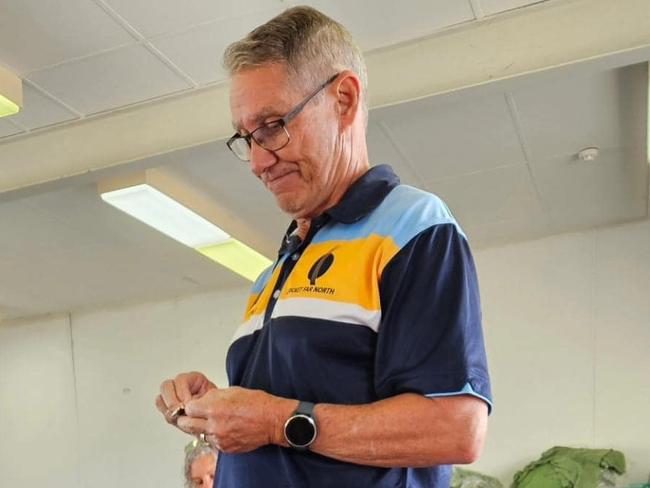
x=305, y=408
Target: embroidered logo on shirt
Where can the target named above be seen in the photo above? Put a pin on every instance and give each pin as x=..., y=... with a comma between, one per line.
x=318, y=269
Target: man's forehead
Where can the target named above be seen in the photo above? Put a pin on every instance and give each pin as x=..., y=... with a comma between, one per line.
x=257, y=94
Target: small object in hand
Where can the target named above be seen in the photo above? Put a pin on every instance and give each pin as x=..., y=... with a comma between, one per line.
x=177, y=412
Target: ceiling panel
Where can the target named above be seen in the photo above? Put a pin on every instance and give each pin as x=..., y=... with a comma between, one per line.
x=7, y=128
x=35, y=34
x=491, y=7
x=443, y=140
x=382, y=151
x=110, y=80
x=507, y=231
x=570, y=114
x=497, y=195
x=198, y=51
x=388, y=22
x=155, y=17
x=39, y=110
x=580, y=194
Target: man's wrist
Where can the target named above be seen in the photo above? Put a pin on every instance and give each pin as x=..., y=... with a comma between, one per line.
x=284, y=409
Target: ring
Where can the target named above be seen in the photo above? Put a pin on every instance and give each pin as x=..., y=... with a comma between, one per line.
x=176, y=412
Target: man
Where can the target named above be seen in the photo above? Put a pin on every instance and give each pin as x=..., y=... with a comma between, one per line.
x=360, y=362
x=200, y=464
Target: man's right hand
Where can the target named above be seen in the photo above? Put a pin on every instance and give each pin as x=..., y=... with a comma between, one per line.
x=175, y=392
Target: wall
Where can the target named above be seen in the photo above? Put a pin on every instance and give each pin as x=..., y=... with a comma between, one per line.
x=77, y=392
x=567, y=322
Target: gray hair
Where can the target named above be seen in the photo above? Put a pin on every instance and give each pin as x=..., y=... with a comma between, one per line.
x=311, y=45
x=194, y=450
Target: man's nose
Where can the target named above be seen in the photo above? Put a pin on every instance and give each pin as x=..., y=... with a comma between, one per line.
x=261, y=159
x=208, y=481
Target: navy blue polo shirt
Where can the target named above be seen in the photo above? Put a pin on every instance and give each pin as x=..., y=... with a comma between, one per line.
x=380, y=299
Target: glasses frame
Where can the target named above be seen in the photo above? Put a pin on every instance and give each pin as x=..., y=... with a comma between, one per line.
x=283, y=121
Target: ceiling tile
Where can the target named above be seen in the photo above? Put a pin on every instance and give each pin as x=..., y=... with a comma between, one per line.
x=110, y=80
x=491, y=7
x=382, y=151
x=198, y=51
x=442, y=139
x=8, y=129
x=389, y=22
x=572, y=113
x=580, y=194
x=36, y=34
x=497, y=195
x=39, y=110
x=156, y=17
x=507, y=231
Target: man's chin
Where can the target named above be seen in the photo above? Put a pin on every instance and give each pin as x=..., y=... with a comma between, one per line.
x=289, y=204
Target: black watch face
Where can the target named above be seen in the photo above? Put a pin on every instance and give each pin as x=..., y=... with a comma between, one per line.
x=301, y=430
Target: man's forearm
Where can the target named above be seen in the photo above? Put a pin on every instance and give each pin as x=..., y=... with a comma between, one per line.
x=406, y=430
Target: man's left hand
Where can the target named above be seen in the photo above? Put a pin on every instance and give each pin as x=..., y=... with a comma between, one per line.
x=236, y=420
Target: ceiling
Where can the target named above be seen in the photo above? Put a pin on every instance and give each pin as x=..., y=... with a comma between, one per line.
x=81, y=58
x=503, y=155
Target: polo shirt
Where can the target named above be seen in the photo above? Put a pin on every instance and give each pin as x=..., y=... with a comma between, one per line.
x=380, y=299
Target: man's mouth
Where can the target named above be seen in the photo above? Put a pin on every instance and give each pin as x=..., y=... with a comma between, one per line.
x=272, y=182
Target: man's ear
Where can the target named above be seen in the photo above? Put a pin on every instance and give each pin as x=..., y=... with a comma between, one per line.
x=348, y=97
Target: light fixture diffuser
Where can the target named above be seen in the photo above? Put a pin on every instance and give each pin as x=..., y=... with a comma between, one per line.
x=163, y=202
x=237, y=257
x=11, y=93
x=154, y=208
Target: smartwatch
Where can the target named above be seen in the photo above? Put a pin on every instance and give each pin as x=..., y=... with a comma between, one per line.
x=300, y=429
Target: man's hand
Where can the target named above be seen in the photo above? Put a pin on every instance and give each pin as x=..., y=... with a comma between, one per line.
x=237, y=420
x=175, y=393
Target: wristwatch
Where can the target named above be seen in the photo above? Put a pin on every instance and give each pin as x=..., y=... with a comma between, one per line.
x=300, y=429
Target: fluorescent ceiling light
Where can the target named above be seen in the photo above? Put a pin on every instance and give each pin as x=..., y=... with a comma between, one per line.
x=166, y=215
x=237, y=257
x=138, y=197
x=11, y=93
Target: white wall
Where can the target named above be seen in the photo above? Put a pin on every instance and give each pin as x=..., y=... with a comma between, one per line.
x=567, y=323
x=79, y=390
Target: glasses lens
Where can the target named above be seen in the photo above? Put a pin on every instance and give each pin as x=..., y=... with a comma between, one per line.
x=271, y=136
x=241, y=149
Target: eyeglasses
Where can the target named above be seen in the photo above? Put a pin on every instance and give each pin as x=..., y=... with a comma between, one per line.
x=272, y=135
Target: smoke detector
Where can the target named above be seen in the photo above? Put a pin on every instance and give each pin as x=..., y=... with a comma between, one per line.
x=588, y=154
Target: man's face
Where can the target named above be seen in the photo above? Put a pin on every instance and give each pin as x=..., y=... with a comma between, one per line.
x=303, y=175
x=202, y=471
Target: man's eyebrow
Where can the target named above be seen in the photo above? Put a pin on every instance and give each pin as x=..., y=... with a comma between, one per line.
x=259, y=118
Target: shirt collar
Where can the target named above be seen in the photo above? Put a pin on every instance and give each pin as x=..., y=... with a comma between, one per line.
x=363, y=196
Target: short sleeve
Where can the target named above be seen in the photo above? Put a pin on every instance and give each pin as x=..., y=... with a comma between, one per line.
x=430, y=339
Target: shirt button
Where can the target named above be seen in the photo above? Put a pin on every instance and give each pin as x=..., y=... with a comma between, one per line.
x=295, y=256
x=276, y=294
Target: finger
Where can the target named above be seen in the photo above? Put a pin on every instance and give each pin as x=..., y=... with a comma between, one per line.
x=183, y=386
x=160, y=405
x=168, y=413
x=192, y=425
x=168, y=394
